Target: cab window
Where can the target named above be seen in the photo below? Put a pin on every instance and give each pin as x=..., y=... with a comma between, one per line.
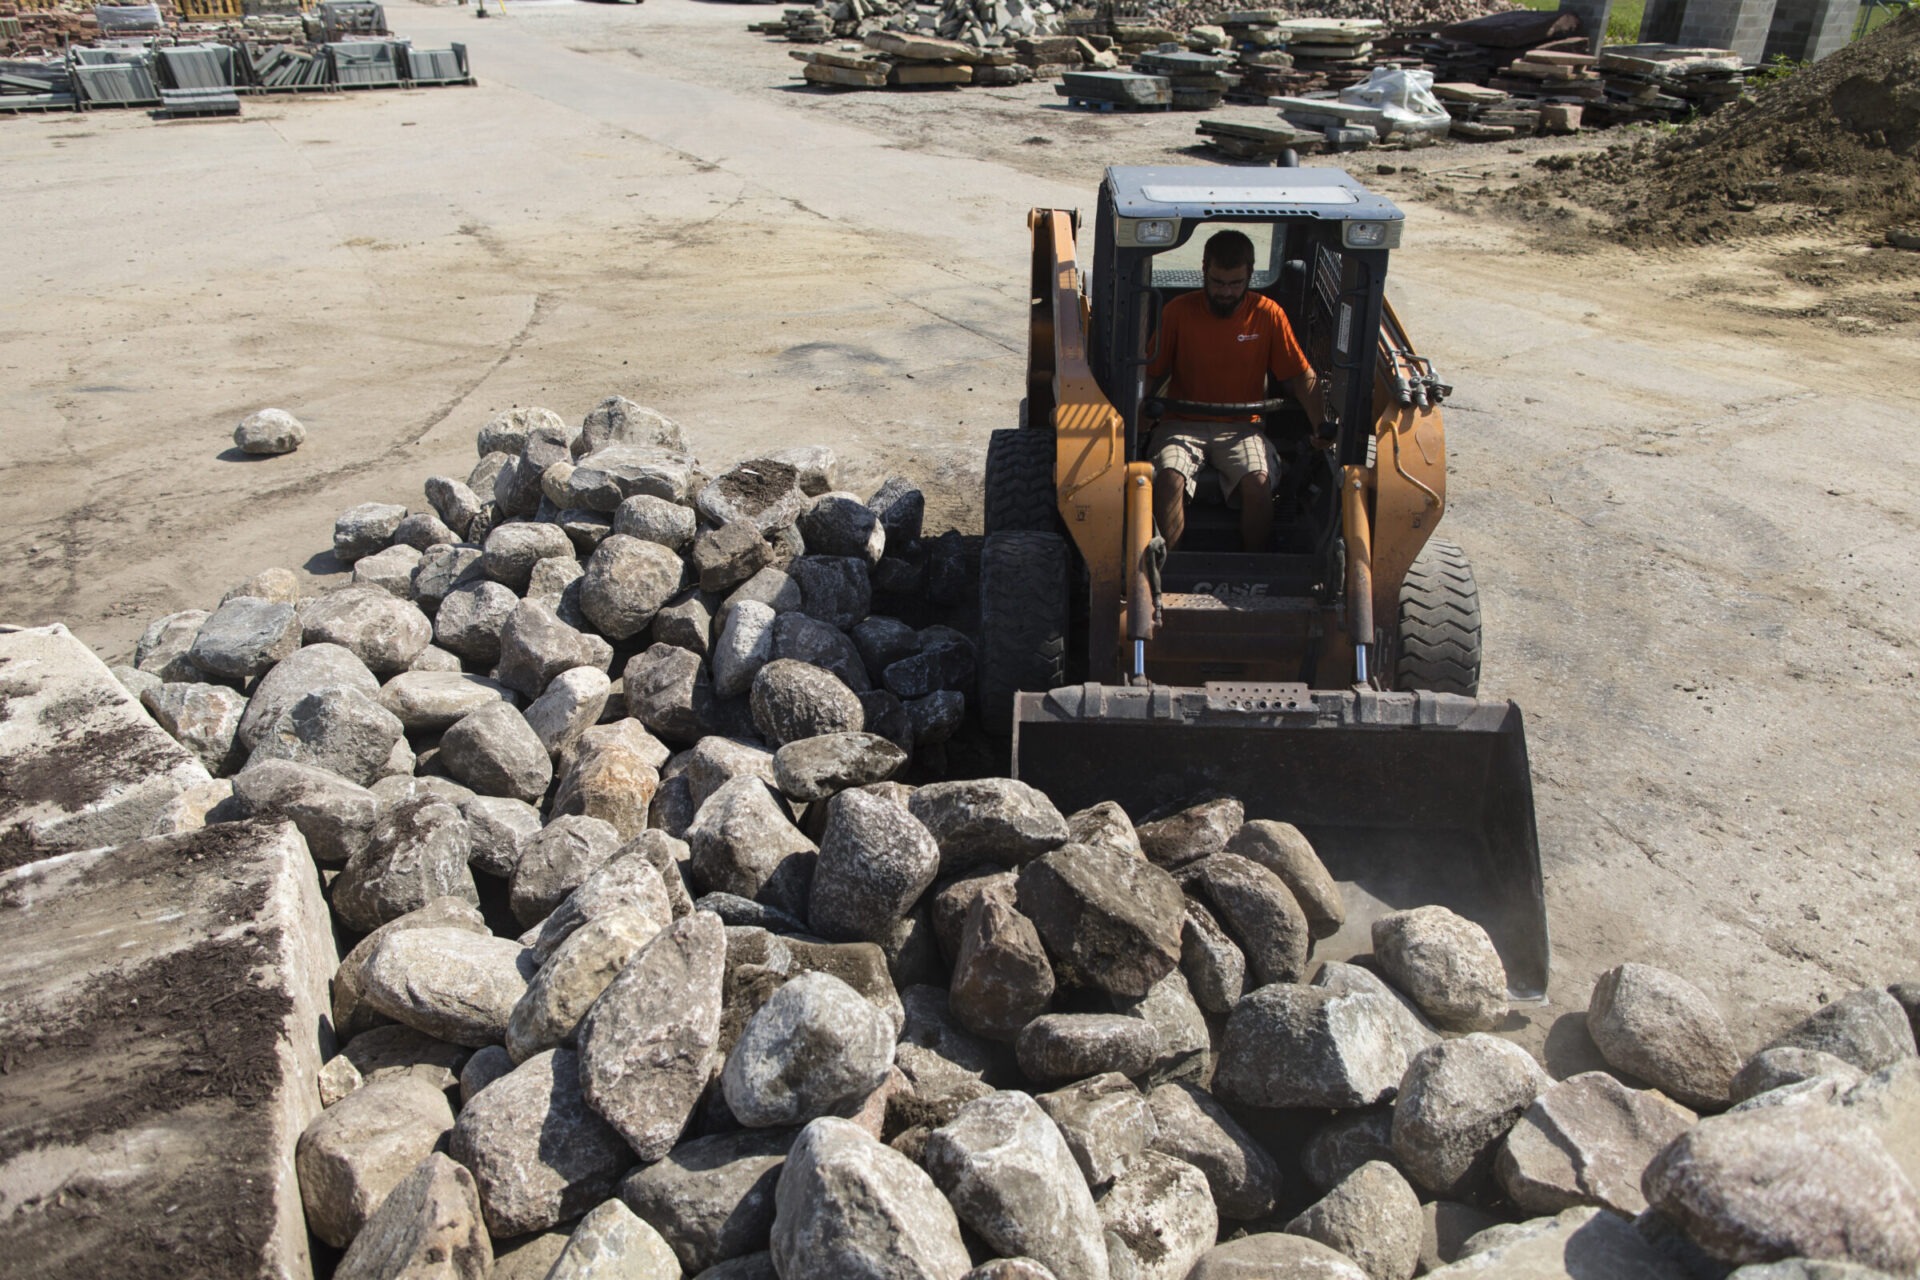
x=1179, y=269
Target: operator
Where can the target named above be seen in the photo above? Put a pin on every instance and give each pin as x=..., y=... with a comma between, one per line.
x=1218, y=345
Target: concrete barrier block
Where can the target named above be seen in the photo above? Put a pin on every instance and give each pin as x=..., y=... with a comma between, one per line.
x=163, y=1018
x=82, y=765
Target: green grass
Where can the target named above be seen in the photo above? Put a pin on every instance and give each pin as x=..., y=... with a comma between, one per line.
x=1623, y=20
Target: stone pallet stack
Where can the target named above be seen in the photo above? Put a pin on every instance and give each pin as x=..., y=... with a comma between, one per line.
x=982, y=25
x=1331, y=53
x=672, y=975
x=1197, y=81
x=1666, y=82
x=1237, y=140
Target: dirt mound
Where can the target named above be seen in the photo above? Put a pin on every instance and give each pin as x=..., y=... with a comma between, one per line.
x=1836, y=146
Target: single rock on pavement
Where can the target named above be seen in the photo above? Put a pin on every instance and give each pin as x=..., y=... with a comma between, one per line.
x=1001, y=978
x=1073, y=1046
x=711, y=1199
x=1281, y=849
x=1198, y=830
x=1258, y=1257
x=574, y=976
x=555, y=860
x=1009, y=1175
x=647, y=1046
x=816, y=768
x=1587, y=1140
x=848, y=1206
x=1373, y=1217
x=363, y=530
x=381, y=630
x=1867, y=1028
x=363, y=1146
x=988, y=820
x=203, y=718
x=1447, y=963
x=1294, y=1046
x=1108, y=921
x=269, y=431
x=611, y=1242
x=627, y=581
x=244, y=637
x=428, y=1225
x=743, y=844
x=791, y=700
x=875, y=861
x=496, y=752
x=1659, y=1027
x=1579, y=1244
x=1189, y=1125
x=432, y=701
x=454, y=985
x=1259, y=913
x=416, y=852
x=539, y=1153
x=338, y=729
x=1458, y=1100
x=816, y=1048
x=1159, y=1219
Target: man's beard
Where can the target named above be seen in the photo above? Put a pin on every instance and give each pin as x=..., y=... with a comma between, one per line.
x=1224, y=309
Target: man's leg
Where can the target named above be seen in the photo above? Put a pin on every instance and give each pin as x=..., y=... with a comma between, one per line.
x=1256, y=511
x=1170, y=504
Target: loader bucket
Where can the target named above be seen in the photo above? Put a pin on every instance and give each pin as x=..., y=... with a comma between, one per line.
x=1408, y=798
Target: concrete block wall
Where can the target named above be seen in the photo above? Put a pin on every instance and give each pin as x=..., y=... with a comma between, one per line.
x=1593, y=19
x=1660, y=21
x=1811, y=29
x=1739, y=25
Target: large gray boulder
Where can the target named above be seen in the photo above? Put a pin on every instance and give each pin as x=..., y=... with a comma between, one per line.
x=470, y=619
x=647, y=1046
x=416, y=852
x=1214, y=965
x=848, y=1206
x=363, y=530
x=727, y=556
x=816, y=768
x=764, y=492
x=391, y=570
x=809, y=640
x=352, y=1015
x=716, y=761
x=611, y=1241
x=244, y=637
x=334, y=816
x=1661, y=1028
x=451, y=984
x=1197, y=831
x=1257, y=1257
x=618, y=420
x=556, y=860
x=1258, y=912
x=383, y=631
x=269, y=431
x=1587, y=1140
x=496, y=752
x=1447, y=963
x=743, y=844
x=1458, y=1100
x=433, y=701
x=1294, y=1046
x=1867, y=1028
x=1283, y=850
x=711, y=1199
x=745, y=645
x=839, y=524
x=1186, y=1042
x=511, y=551
x=454, y=501
x=984, y=820
x=539, y=1153
x=1189, y=1125
x=656, y=519
x=320, y=666
x=875, y=861
x=339, y=729
x=1010, y=1176
x=816, y=1048
x=791, y=700
x=626, y=583
x=1373, y=1217
x=1108, y=921
x=611, y=475
x=667, y=689
x=1106, y=1123
x=163, y=648
x=1072, y=1046
x=363, y=1146
x=573, y=977
x=1579, y=1244
x=428, y=1225
x=1158, y=1218
x=631, y=878
x=496, y=825
x=536, y=646
x=838, y=590
x=1001, y=978
x=203, y=718
x=572, y=704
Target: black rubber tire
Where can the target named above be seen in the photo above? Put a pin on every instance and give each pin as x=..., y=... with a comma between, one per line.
x=1019, y=494
x=1437, y=647
x=1023, y=621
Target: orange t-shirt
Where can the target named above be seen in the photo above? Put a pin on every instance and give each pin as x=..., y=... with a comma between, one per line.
x=1225, y=361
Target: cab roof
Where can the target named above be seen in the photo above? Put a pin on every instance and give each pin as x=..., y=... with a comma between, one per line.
x=1210, y=191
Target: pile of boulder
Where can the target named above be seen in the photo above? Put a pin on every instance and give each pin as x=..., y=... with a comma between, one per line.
x=672, y=974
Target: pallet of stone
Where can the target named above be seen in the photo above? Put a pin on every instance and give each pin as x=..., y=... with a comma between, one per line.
x=926, y=74
x=1241, y=141
x=1321, y=114
x=1114, y=90
x=842, y=70
x=1526, y=87
x=908, y=46
x=1525, y=120
x=1479, y=131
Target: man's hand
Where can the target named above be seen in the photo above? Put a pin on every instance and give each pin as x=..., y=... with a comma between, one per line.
x=1305, y=389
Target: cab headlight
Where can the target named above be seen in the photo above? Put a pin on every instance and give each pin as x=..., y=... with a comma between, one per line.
x=1371, y=235
x=1150, y=231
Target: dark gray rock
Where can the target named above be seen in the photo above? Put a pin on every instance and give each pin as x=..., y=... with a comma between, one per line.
x=1258, y=912
x=816, y=1048
x=875, y=861
x=1294, y=1046
x=1447, y=963
x=655, y=519
x=848, y=1206
x=1189, y=1125
x=808, y=640
x=517, y=489
x=686, y=620
x=647, y=1047
x=1010, y=1176
x=1001, y=978
x=496, y=752
x=1072, y=1046
x=338, y=729
x=1772, y=1069
x=936, y=717
x=1108, y=921
x=442, y=568
x=1867, y=1028
x=668, y=691
x=556, y=860
x=1281, y=849
x=723, y=558
x=497, y=825
x=744, y=844
x=946, y=661
x=539, y=1153
x=711, y=1199
x=536, y=646
x=901, y=507
x=988, y=820
x=1661, y=1028
x=626, y=583
x=792, y=700
x=164, y=646
x=415, y=853
x=365, y=529
x=1344, y=1143
x=881, y=642
x=470, y=619
x=335, y=816
x=1373, y=1217
x=820, y=767
x=244, y=637
x=1186, y=1044
x=1197, y=830
x=839, y=524
x=835, y=589
x=1215, y=968
x=1458, y=1100
x=716, y=761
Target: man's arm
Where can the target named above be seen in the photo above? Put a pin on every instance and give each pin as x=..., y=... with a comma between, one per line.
x=1305, y=388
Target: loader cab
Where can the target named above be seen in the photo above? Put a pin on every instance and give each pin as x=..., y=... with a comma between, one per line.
x=1321, y=242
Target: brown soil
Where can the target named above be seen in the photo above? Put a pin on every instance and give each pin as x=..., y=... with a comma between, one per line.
x=1834, y=149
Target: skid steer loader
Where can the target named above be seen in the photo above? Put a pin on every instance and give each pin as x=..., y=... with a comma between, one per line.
x=1330, y=680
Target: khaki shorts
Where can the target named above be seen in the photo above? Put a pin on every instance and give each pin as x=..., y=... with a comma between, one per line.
x=1232, y=450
